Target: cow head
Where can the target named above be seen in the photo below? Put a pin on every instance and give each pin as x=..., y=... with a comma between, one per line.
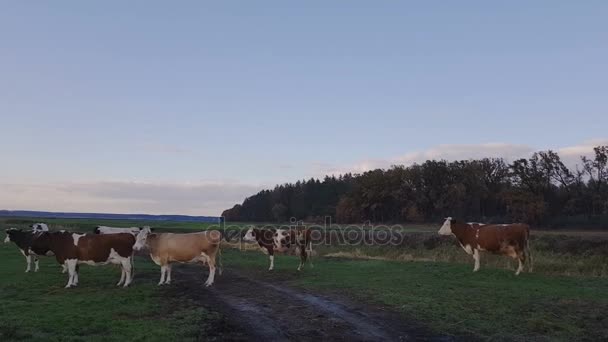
x=40, y=227
x=9, y=232
x=446, y=229
x=250, y=235
x=282, y=239
x=141, y=239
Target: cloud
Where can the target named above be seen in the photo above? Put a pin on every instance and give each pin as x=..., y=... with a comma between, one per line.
x=570, y=156
x=127, y=197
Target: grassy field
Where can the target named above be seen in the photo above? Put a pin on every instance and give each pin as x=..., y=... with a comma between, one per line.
x=36, y=307
x=427, y=279
x=492, y=304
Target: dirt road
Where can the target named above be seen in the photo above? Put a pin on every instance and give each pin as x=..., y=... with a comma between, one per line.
x=259, y=309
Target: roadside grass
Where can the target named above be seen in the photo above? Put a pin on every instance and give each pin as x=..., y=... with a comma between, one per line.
x=36, y=307
x=450, y=299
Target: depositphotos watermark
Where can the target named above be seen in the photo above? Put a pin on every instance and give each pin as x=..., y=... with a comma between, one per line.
x=326, y=234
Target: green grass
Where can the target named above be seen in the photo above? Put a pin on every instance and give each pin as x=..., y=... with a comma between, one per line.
x=565, y=299
x=36, y=307
x=450, y=299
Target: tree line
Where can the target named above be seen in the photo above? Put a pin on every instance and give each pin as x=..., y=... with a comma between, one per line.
x=540, y=190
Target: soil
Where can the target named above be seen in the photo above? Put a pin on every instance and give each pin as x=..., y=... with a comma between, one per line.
x=259, y=307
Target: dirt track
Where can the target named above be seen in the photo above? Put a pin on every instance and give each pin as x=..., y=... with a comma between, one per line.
x=270, y=311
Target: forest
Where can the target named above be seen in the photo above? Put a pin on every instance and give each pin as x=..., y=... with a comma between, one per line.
x=540, y=190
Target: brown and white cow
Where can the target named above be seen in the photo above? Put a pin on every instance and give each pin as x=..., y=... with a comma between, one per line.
x=506, y=239
x=30, y=246
x=166, y=248
x=72, y=249
x=281, y=240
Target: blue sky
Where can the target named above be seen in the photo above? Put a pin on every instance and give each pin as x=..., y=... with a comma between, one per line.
x=226, y=97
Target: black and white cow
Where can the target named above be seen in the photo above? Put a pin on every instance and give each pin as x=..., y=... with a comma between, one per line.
x=40, y=227
x=30, y=246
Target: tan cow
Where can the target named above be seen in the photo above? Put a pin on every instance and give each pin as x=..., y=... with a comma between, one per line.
x=166, y=248
x=506, y=239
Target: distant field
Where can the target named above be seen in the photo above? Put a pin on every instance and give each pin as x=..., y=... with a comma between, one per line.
x=88, y=225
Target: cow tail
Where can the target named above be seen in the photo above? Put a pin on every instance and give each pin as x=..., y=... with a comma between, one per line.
x=219, y=260
x=310, y=252
x=528, y=254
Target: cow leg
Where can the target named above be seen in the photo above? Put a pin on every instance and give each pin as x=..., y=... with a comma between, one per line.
x=521, y=258
x=211, y=278
x=271, y=257
x=36, y=263
x=64, y=268
x=163, y=272
x=310, y=254
x=75, y=281
x=168, y=279
x=127, y=268
x=28, y=260
x=476, y=257
x=302, y=257
x=122, y=276
x=71, y=265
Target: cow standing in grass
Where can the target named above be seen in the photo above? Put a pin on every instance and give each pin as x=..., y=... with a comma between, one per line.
x=30, y=246
x=166, y=248
x=506, y=239
x=72, y=249
x=281, y=240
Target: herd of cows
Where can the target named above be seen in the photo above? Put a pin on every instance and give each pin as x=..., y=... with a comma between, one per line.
x=111, y=245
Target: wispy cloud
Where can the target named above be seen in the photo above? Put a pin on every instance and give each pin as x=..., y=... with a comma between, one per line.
x=127, y=197
x=570, y=155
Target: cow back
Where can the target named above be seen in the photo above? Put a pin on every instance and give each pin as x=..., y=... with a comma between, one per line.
x=183, y=247
x=97, y=248
x=497, y=236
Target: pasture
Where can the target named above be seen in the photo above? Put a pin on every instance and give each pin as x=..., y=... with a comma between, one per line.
x=425, y=282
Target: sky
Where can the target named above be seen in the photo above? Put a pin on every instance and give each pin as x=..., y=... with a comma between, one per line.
x=188, y=107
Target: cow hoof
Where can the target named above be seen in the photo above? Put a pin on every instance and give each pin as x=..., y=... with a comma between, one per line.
x=208, y=284
x=27, y=271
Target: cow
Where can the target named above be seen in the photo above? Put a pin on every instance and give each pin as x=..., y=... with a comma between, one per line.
x=29, y=245
x=165, y=248
x=40, y=227
x=281, y=240
x=115, y=230
x=506, y=239
x=72, y=249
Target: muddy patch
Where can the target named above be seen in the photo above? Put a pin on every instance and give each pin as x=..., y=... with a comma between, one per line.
x=272, y=311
